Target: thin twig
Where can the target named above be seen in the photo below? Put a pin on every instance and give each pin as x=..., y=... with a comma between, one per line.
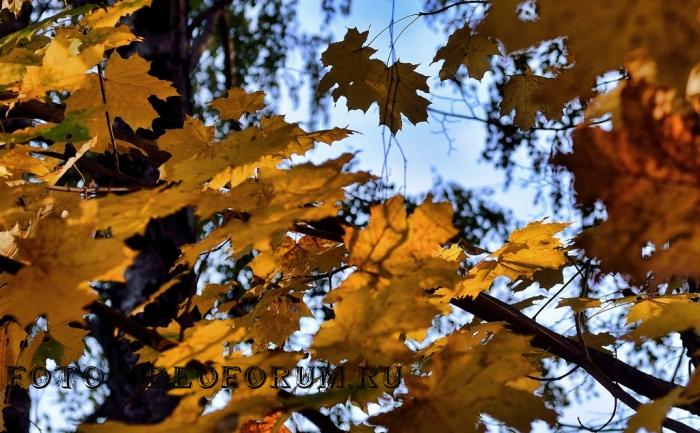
x=555, y=295
x=92, y=189
x=553, y=379
x=100, y=75
x=443, y=9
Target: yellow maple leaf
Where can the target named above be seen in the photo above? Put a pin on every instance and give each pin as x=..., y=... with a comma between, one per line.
x=274, y=318
x=528, y=251
x=109, y=16
x=438, y=401
x=236, y=102
x=273, y=203
x=62, y=256
x=386, y=295
x=294, y=258
x=364, y=81
x=651, y=416
x=670, y=317
x=62, y=68
x=579, y=304
x=127, y=86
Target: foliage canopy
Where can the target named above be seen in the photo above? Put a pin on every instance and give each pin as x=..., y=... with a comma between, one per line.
x=88, y=176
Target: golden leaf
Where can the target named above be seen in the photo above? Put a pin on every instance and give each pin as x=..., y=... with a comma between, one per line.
x=272, y=204
x=274, y=318
x=236, y=102
x=61, y=256
x=579, y=304
x=438, y=402
x=62, y=68
x=110, y=16
x=529, y=250
x=127, y=86
x=670, y=317
x=244, y=150
x=386, y=296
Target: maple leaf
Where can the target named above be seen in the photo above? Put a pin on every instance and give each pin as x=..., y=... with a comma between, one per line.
x=663, y=32
x=579, y=304
x=274, y=318
x=13, y=65
x=386, y=295
x=235, y=158
x=127, y=86
x=464, y=362
x=273, y=203
x=464, y=47
x=651, y=416
x=650, y=154
x=530, y=250
x=236, y=102
x=522, y=94
x=295, y=258
x=364, y=81
x=667, y=318
x=109, y=16
x=61, y=255
x=62, y=68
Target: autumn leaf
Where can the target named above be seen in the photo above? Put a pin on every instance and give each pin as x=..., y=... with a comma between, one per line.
x=274, y=318
x=438, y=401
x=364, y=81
x=644, y=172
x=269, y=424
x=670, y=317
x=386, y=296
x=664, y=33
x=127, y=86
x=530, y=250
x=236, y=157
x=272, y=204
x=109, y=16
x=63, y=256
x=521, y=92
x=236, y=102
x=464, y=47
x=62, y=68
x=579, y=304
x=299, y=258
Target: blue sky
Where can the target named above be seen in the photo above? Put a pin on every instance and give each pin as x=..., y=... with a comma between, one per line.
x=427, y=151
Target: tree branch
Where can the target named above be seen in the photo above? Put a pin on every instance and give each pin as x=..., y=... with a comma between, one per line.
x=491, y=309
x=145, y=335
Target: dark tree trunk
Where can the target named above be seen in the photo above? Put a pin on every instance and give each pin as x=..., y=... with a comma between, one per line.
x=166, y=45
x=166, y=41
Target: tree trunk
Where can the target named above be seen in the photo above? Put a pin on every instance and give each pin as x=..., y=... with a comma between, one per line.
x=166, y=41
